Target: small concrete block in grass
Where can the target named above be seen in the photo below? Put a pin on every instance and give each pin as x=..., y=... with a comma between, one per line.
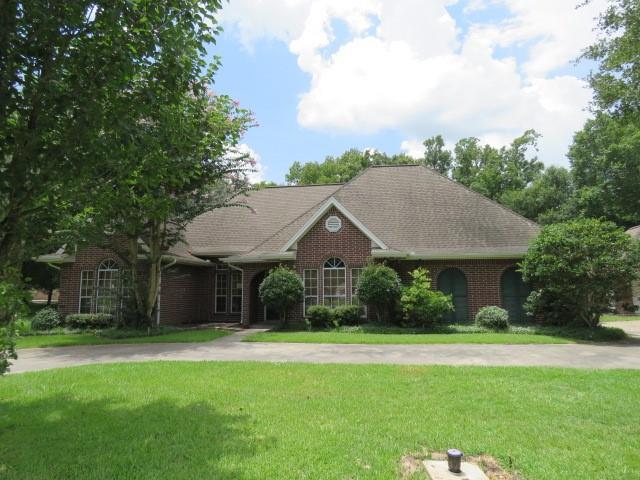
x=439, y=470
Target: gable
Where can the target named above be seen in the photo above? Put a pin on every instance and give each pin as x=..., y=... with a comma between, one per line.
x=332, y=205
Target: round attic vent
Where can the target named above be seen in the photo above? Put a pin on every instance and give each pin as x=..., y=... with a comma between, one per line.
x=333, y=224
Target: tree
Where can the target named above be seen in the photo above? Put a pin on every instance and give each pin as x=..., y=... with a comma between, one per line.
x=436, y=156
x=63, y=65
x=281, y=290
x=422, y=306
x=547, y=200
x=41, y=277
x=172, y=165
x=379, y=286
x=342, y=168
x=605, y=154
x=13, y=303
x=575, y=267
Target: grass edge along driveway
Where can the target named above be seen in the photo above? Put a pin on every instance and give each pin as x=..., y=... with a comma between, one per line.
x=70, y=339
x=286, y=421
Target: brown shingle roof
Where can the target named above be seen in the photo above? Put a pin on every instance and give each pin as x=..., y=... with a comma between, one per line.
x=411, y=208
x=236, y=230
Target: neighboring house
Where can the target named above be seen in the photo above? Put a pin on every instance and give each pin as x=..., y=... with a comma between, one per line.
x=406, y=216
x=629, y=301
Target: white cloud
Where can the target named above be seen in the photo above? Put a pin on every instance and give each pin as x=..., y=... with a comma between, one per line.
x=408, y=67
x=258, y=172
x=413, y=148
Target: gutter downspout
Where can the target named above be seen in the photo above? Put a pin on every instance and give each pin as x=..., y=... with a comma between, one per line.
x=242, y=300
x=169, y=265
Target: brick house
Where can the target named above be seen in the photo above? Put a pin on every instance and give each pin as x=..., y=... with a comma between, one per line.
x=406, y=216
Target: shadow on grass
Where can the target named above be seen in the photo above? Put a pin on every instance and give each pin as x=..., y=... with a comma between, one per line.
x=59, y=437
x=576, y=334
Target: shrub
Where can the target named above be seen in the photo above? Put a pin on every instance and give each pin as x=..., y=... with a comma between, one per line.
x=281, y=290
x=347, y=315
x=319, y=316
x=83, y=321
x=379, y=286
x=576, y=267
x=45, y=319
x=495, y=318
x=421, y=306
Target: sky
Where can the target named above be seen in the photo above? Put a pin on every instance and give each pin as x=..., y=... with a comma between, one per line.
x=323, y=76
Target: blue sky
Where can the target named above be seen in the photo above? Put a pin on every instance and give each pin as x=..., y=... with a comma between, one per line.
x=325, y=76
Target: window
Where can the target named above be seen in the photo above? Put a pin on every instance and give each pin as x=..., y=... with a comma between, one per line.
x=108, y=287
x=355, y=277
x=310, y=278
x=334, y=283
x=236, y=291
x=221, y=292
x=87, y=291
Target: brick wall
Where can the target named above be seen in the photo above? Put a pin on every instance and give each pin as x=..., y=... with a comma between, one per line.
x=185, y=290
x=483, y=278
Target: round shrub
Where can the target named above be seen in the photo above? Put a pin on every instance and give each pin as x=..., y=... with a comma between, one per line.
x=495, y=318
x=45, y=319
x=380, y=286
x=319, y=316
x=281, y=290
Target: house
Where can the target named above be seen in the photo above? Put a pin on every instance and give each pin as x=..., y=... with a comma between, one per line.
x=629, y=300
x=406, y=216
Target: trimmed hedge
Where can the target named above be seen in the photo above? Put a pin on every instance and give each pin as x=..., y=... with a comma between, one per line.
x=319, y=316
x=45, y=319
x=347, y=315
x=495, y=318
x=88, y=320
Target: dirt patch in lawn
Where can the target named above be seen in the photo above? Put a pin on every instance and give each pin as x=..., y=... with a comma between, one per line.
x=411, y=466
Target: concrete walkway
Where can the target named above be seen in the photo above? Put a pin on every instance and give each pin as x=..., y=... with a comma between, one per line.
x=231, y=348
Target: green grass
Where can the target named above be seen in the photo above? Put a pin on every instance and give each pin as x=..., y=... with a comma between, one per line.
x=68, y=339
x=375, y=335
x=183, y=420
x=620, y=318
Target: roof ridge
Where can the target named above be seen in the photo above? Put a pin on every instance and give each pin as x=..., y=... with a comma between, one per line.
x=296, y=186
x=324, y=200
x=478, y=194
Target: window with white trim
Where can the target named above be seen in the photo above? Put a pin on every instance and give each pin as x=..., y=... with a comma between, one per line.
x=221, y=292
x=236, y=291
x=334, y=282
x=87, y=291
x=108, y=287
x=355, y=278
x=310, y=280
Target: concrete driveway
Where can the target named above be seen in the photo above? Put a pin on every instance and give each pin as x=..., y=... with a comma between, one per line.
x=231, y=348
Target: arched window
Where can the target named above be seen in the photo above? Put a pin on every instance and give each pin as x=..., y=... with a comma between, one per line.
x=334, y=282
x=107, y=291
x=514, y=293
x=453, y=282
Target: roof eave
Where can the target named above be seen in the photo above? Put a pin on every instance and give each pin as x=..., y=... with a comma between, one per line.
x=56, y=258
x=261, y=258
x=497, y=255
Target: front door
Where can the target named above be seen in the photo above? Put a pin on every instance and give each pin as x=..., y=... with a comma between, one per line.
x=453, y=282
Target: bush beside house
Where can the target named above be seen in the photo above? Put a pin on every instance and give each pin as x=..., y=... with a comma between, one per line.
x=575, y=268
x=422, y=306
x=494, y=318
x=380, y=287
x=281, y=290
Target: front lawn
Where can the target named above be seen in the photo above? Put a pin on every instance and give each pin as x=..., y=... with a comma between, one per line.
x=376, y=335
x=119, y=337
x=186, y=420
